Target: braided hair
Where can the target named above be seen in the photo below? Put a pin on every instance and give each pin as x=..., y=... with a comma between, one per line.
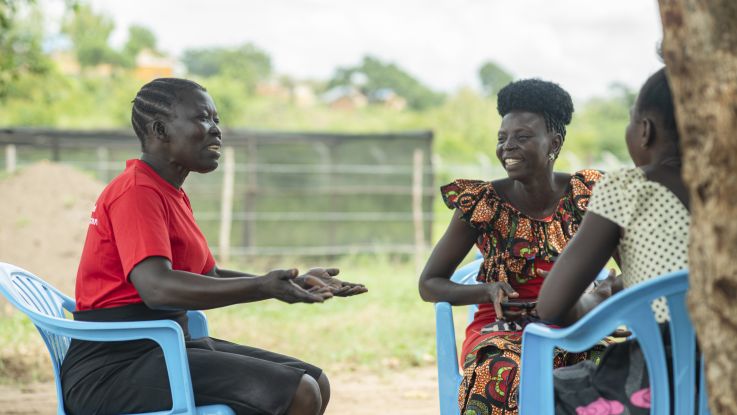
x=155, y=100
x=540, y=97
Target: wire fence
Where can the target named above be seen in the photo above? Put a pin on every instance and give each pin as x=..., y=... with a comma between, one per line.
x=280, y=194
x=292, y=194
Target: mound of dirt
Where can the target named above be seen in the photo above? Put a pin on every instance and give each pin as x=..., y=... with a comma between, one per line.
x=44, y=213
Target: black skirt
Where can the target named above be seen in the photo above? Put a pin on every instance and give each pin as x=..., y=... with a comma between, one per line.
x=130, y=376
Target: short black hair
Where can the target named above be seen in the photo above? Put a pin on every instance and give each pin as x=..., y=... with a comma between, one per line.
x=541, y=97
x=156, y=99
x=655, y=95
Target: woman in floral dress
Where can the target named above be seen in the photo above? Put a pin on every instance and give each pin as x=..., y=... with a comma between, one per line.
x=520, y=224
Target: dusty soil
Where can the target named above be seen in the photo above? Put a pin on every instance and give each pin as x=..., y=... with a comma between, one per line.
x=43, y=220
x=408, y=392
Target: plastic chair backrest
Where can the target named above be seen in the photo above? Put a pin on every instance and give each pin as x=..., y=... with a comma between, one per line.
x=32, y=296
x=40, y=301
x=631, y=307
x=449, y=377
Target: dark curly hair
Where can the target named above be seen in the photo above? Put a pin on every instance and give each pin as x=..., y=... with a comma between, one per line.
x=155, y=100
x=541, y=97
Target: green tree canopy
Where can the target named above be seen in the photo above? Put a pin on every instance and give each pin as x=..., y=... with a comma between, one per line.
x=599, y=125
x=20, y=42
x=89, y=33
x=246, y=63
x=493, y=78
x=139, y=38
x=373, y=75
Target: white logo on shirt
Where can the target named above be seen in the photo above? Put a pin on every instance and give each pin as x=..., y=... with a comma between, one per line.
x=93, y=221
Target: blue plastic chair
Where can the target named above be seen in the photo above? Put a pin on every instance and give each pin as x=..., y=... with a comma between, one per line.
x=631, y=307
x=449, y=375
x=46, y=306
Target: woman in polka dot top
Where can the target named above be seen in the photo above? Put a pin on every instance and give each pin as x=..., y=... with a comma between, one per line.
x=642, y=215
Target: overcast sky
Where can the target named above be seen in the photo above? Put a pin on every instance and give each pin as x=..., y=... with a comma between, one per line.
x=582, y=44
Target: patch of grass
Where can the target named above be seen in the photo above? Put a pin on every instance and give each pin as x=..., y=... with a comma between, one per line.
x=388, y=326
x=23, y=356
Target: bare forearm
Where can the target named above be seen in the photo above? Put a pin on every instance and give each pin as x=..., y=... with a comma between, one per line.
x=227, y=273
x=442, y=289
x=184, y=290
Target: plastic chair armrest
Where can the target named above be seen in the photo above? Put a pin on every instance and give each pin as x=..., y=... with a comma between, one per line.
x=197, y=324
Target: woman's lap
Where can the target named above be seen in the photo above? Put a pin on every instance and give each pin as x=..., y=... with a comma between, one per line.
x=491, y=380
x=249, y=380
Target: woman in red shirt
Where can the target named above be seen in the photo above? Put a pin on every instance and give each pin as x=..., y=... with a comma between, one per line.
x=145, y=258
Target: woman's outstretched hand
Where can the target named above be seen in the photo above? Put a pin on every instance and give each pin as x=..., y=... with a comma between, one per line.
x=317, y=277
x=283, y=285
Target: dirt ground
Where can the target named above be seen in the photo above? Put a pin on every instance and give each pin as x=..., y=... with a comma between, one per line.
x=408, y=392
x=43, y=218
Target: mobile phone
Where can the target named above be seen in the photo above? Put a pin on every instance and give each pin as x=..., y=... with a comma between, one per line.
x=524, y=305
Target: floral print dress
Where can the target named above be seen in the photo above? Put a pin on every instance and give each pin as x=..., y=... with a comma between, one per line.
x=513, y=246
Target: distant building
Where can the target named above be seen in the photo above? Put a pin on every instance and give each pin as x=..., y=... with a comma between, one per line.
x=344, y=98
x=303, y=96
x=152, y=65
x=388, y=98
x=66, y=62
x=272, y=88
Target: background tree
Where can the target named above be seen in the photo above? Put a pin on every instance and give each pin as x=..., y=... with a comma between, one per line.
x=20, y=42
x=598, y=124
x=90, y=34
x=700, y=50
x=493, y=78
x=375, y=75
x=139, y=38
x=247, y=64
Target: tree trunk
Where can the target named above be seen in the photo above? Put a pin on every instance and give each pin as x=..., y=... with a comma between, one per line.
x=700, y=51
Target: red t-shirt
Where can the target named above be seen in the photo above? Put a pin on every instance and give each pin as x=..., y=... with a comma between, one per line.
x=138, y=215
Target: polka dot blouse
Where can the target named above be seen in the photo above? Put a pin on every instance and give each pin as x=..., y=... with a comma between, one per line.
x=655, y=225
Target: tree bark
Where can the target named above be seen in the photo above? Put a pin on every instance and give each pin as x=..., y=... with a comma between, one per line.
x=700, y=52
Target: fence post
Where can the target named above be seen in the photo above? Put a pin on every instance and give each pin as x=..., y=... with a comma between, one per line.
x=249, y=202
x=10, y=158
x=55, y=149
x=103, y=155
x=417, y=170
x=328, y=161
x=226, y=204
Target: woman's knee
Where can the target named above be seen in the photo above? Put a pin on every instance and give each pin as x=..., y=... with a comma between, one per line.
x=307, y=399
x=324, y=385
